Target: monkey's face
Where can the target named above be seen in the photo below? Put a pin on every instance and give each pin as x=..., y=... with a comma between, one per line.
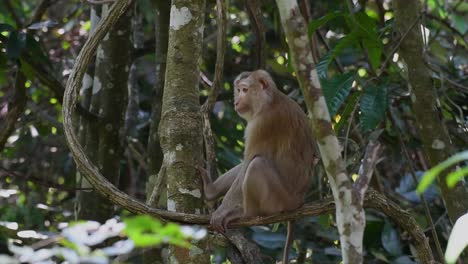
x=242, y=96
x=251, y=93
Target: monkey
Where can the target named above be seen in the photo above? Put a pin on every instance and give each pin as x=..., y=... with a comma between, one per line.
x=278, y=158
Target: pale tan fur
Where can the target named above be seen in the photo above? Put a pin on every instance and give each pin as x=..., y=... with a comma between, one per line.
x=278, y=159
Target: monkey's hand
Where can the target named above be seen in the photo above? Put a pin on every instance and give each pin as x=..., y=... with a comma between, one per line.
x=205, y=176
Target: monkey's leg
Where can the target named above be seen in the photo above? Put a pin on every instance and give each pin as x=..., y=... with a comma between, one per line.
x=214, y=190
x=263, y=191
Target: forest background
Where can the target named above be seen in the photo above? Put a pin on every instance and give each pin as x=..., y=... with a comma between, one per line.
x=393, y=73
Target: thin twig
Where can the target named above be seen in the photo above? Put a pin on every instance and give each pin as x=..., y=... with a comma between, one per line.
x=345, y=151
x=256, y=20
x=156, y=192
x=207, y=107
x=368, y=164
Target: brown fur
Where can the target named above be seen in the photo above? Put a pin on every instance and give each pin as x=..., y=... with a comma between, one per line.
x=278, y=159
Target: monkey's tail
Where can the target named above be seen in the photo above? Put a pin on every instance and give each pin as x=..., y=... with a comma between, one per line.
x=287, y=244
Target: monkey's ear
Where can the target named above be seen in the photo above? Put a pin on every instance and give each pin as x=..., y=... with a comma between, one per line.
x=263, y=82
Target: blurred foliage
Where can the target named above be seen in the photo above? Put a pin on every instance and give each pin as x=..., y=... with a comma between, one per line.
x=91, y=242
x=364, y=83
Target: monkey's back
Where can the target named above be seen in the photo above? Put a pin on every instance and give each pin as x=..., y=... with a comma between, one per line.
x=281, y=133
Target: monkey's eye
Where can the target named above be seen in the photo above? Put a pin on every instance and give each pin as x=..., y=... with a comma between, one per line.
x=244, y=90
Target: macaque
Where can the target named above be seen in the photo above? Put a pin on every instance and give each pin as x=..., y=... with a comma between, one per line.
x=279, y=156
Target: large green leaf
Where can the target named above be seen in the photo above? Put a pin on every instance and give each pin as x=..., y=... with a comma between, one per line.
x=336, y=89
x=374, y=102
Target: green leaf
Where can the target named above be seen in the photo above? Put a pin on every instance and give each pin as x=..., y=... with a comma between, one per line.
x=348, y=110
x=459, y=22
x=324, y=221
x=431, y=174
x=367, y=31
x=374, y=51
x=347, y=41
x=322, y=66
x=146, y=231
x=458, y=240
x=456, y=176
x=374, y=102
x=336, y=90
x=314, y=25
x=15, y=45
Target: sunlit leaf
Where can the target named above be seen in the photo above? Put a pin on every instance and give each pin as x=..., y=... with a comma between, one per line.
x=456, y=176
x=431, y=174
x=147, y=231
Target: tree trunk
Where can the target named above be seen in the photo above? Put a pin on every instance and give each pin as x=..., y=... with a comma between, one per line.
x=350, y=217
x=155, y=156
x=181, y=121
x=110, y=100
x=434, y=135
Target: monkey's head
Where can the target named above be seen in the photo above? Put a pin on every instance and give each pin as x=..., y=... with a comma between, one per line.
x=252, y=92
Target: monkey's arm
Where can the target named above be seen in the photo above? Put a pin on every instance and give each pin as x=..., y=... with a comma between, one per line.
x=214, y=190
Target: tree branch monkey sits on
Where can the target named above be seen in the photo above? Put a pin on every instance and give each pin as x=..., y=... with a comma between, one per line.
x=279, y=156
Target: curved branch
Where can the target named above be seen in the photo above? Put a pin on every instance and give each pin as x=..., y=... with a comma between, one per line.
x=91, y=172
x=102, y=185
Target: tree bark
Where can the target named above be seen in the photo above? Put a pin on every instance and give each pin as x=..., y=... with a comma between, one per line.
x=155, y=155
x=433, y=132
x=181, y=126
x=109, y=103
x=350, y=216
